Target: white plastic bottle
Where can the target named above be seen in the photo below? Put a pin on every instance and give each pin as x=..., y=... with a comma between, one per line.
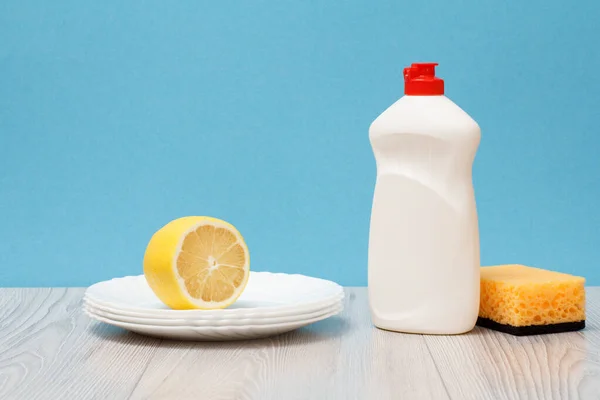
x=424, y=237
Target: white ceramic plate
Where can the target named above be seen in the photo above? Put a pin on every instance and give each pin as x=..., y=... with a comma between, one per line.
x=190, y=318
x=215, y=333
x=115, y=316
x=266, y=295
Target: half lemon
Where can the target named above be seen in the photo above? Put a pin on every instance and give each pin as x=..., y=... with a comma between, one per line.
x=197, y=263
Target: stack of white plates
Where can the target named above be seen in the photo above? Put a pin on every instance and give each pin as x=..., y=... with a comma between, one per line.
x=271, y=304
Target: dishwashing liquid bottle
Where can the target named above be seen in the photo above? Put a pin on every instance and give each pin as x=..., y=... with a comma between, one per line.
x=424, y=237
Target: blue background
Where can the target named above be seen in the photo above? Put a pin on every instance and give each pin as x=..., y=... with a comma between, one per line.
x=116, y=117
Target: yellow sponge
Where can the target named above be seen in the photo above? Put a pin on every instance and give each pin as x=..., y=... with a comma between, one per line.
x=524, y=300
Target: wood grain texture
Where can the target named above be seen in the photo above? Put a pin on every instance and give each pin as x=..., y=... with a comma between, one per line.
x=50, y=350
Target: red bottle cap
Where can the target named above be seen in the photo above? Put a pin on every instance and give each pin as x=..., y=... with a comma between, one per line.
x=420, y=80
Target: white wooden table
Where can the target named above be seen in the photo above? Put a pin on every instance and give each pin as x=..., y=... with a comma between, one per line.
x=50, y=350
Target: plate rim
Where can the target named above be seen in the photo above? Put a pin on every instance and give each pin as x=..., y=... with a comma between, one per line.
x=221, y=320
x=199, y=330
x=206, y=313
